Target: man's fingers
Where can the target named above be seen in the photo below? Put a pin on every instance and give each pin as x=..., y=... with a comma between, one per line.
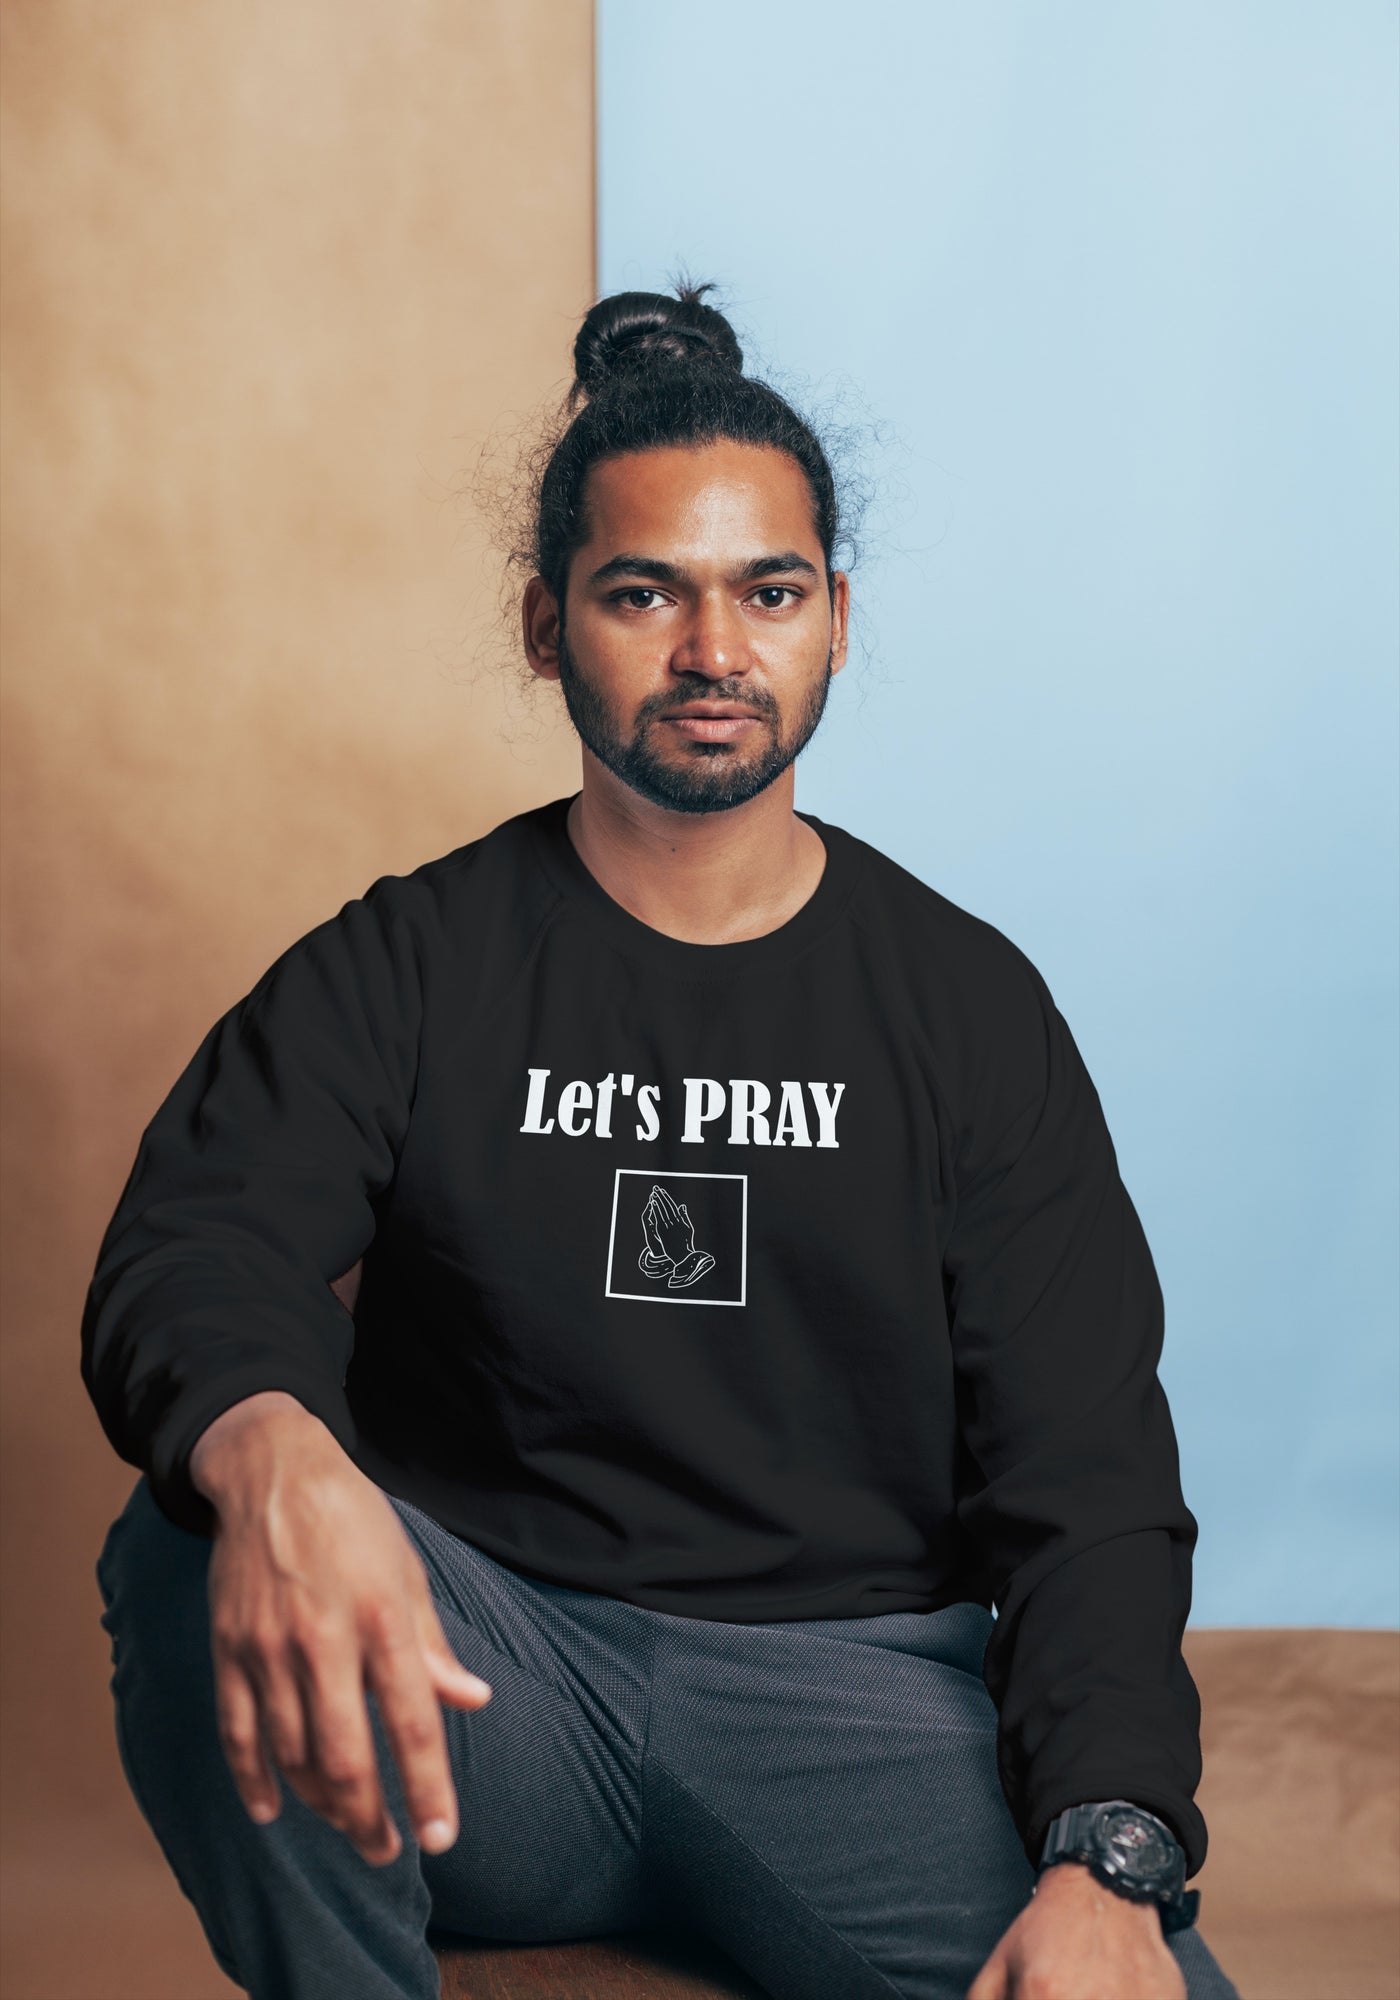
x=236, y=1710
x=451, y=1680
x=323, y=1750
x=342, y=1780
x=280, y=1712
x=399, y=1676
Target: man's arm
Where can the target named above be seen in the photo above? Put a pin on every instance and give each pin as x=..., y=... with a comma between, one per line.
x=1057, y=1324
x=216, y=1336
x=253, y=1189
x=1056, y=1319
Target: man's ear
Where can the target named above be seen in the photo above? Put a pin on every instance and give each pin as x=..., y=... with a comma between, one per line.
x=840, y=619
x=539, y=617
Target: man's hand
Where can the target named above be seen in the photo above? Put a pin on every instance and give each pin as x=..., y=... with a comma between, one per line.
x=1077, y=1940
x=315, y=1593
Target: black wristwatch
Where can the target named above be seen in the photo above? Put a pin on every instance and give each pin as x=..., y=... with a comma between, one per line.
x=1130, y=1851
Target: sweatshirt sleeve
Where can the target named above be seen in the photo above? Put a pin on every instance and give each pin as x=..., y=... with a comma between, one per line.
x=1057, y=1324
x=254, y=1186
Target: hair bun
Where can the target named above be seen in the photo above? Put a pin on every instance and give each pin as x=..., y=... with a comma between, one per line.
x=632, y=329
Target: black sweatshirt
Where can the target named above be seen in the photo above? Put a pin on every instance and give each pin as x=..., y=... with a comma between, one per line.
x=791, y=1278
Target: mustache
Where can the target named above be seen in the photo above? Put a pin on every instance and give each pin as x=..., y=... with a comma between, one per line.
x=740, y=702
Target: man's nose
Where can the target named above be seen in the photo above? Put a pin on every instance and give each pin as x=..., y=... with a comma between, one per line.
x=713, y=643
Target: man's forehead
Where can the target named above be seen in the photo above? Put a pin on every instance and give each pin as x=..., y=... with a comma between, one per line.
x=680, y=503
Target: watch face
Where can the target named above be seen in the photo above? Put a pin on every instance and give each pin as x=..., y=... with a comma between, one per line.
x=1133, y=1846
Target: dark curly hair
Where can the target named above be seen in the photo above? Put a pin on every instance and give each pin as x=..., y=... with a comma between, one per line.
x=652, y=370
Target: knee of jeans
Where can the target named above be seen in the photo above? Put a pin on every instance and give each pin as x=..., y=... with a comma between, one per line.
x=154, y=1580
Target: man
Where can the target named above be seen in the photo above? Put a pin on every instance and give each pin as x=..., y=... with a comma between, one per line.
x=749, y=1301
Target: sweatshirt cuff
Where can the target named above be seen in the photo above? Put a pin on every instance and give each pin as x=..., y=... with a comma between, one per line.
x=168, y=1469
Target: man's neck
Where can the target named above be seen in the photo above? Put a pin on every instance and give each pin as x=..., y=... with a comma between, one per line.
x=705, y=878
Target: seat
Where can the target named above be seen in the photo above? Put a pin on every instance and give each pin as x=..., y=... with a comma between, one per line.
x=654, y=1964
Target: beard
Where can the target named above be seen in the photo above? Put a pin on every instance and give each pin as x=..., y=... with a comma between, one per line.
x=706, y=777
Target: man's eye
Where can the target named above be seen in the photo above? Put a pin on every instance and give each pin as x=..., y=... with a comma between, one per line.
x=772, y=594
x=630, y=597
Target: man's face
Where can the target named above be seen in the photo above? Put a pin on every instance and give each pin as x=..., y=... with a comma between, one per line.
x=700, y=638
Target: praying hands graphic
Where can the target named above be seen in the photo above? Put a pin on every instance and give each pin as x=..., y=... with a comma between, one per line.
x=670, y=1242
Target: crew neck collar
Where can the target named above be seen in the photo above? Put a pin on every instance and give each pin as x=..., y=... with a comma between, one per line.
x=566, y=870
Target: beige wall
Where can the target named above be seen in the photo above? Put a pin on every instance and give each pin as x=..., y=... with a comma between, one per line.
x=272, y=267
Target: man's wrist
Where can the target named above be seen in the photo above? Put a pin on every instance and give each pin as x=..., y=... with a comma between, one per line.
x=224, y=1451
x=1077, y=1879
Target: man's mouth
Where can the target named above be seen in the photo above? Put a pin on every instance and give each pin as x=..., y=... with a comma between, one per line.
x=711, y=723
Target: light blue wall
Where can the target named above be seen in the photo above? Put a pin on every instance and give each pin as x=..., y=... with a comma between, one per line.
x=1123, y=279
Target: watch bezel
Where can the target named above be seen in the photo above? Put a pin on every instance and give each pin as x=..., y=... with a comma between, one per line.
x=1149, y=1886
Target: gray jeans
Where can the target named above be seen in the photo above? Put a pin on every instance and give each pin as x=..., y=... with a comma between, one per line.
x=820, y=1798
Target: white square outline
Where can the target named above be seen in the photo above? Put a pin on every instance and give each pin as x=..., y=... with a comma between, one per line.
x=680, y=1174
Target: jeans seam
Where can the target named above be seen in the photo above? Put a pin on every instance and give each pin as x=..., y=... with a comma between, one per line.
x=646, y=1752
x=824, y=1922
